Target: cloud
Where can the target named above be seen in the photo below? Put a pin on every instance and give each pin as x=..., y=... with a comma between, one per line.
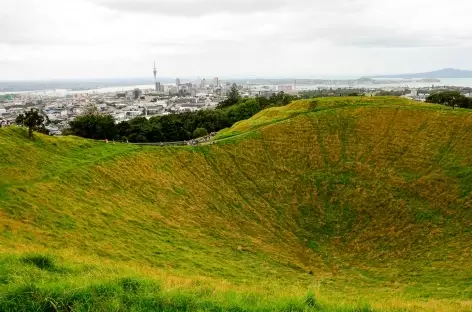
x=52, y=22
x=269, y=37
x=196, y=8
x=378, y=36
x=193, y=8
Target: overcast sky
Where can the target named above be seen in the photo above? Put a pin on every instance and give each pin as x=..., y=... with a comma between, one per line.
x=231, y=38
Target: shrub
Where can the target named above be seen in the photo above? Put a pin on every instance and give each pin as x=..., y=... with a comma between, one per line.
x=200, y=132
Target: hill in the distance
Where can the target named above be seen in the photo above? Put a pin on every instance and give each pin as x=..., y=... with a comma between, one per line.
x=339, y=204
x=443, y=73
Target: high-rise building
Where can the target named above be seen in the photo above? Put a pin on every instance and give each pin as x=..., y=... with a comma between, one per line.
x=177, y=82
x=137, y=93
x=203, y=83
x=216, y=82
x=155, y=77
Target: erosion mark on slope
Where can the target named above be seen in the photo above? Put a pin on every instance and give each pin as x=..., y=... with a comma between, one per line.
x=408, y=147
x=386, y=136
x=248, y=178
x=453, y=141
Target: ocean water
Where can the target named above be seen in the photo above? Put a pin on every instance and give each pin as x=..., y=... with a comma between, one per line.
x=451, y=82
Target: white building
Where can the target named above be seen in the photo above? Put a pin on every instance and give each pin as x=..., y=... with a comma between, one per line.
x=284, y=88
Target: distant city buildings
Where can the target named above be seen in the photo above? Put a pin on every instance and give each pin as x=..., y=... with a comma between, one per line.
x=125, y=103
x=285, y=88
x=159, y=87
x=417, y=96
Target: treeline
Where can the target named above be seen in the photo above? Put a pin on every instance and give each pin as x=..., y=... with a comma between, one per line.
x=450, y=98
x=309, y=94
x=174, y=127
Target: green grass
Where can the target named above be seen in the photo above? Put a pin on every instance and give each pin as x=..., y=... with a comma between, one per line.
x=343, y=204
x=66, y=287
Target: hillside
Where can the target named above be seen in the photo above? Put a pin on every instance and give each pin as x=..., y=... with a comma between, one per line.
x=338, y=204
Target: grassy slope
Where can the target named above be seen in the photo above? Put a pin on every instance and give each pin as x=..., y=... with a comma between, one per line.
x=372, y=196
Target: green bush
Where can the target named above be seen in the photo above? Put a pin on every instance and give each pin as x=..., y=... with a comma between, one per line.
x=244, y=110
x=200, y=132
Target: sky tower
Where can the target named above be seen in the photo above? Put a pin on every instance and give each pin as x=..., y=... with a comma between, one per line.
x=155, y=77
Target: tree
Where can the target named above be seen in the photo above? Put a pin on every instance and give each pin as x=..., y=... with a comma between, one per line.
x=281, y=99
x=445, y=98
x=464, y=102
x=91, y=109
x=33, y=120
x=233, y=97
x=183, y=93
x=450, y=98
x=200, y=132
x=245, y=110
x=94, y=126
x=123, y=129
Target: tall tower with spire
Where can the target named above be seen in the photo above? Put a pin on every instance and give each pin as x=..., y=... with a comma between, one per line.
x=155, y=76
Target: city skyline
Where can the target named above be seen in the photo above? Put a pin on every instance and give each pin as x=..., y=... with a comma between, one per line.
x=217, y=80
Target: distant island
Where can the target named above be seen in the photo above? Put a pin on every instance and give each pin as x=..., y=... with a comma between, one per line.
x=443, y=73
x=428, y=80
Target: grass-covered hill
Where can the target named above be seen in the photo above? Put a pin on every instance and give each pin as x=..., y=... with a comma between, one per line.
x=341, y=204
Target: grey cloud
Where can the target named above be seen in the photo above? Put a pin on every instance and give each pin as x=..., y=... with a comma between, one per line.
x=389, y=38
x=189, y=36
x=371, y=36
x=12, y=32
x=20, y=31
x=397, y=42
x=192, y=8
x=385, y=37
